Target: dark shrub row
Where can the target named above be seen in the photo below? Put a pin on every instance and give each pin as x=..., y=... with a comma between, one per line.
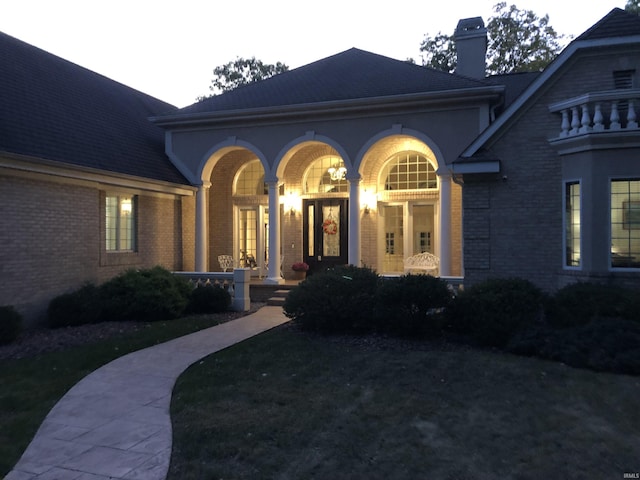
x=583, y=325
x=143, y=295
x=10, y=324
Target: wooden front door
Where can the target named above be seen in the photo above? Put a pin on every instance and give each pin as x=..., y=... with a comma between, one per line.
x=325, y=233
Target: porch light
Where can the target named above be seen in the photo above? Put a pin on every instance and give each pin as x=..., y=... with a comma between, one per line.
x=291, y=202
x=368, y=200
x=337, y=172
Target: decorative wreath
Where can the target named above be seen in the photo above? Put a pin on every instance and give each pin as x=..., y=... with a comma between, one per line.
x=330, y=226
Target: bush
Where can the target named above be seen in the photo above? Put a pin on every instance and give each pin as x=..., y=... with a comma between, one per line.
x=581, y=302
x=76, y=308
x=340, y=300
x=145, y=295
x=604, y=344
x=491, y=312
x=412, y=305
x=209, y=299
x=10, y=324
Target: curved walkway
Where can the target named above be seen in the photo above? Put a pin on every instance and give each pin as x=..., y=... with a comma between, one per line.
x=114, y=424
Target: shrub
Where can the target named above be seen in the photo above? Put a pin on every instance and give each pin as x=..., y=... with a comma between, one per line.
x=340, y=300
x=604, y=344
x=412, y=305
x=579, y=303
x=76, y=308
x=209, y=299
x=10, y=324
x=491, y=312
x=145, y=295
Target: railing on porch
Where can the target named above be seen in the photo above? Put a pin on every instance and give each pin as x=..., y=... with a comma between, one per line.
x=607, y=111
x=235, y=282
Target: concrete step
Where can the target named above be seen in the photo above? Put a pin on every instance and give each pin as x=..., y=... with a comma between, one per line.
x=278, y=297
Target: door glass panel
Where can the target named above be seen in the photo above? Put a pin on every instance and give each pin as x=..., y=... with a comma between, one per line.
x=310, y=230
x=394, y=238
x=331, y=231
x=247, y=238
x=422, y=229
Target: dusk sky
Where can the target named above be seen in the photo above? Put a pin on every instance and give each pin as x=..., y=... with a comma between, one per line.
x=168, y=49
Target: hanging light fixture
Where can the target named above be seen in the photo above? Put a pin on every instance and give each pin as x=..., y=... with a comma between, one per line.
x=337, y=172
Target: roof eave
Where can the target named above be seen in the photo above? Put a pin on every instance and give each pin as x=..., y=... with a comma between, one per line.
x=469, y=167
x=490, y=92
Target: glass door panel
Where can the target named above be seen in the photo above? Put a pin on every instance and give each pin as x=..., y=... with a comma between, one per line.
x=423, y=222
x=393, y=221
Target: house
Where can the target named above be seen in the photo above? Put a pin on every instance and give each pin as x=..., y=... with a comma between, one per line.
x=364, y=159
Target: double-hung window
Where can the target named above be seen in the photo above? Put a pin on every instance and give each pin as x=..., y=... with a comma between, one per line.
x=120, y=223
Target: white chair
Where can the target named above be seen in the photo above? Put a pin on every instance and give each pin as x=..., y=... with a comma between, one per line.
x=226, y=262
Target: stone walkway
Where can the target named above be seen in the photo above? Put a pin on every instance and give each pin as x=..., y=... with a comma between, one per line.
x=115, y=424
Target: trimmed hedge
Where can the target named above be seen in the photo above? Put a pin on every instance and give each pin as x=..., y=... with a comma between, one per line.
x=76, y=308
x=339, y=300
x=10, y=324
x=209, y=299
x=412, y=306
x=491, y=312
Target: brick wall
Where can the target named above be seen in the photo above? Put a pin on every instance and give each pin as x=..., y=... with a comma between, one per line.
x=52, y=240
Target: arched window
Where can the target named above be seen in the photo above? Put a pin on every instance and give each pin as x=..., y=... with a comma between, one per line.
x=250, y=180
x=326, y=174
x=409, y=171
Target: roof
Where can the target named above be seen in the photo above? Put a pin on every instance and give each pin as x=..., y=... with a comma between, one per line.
x=617, y=27
x=514, y=83
x=350, y=75
x=617, y=23
x=55, y=110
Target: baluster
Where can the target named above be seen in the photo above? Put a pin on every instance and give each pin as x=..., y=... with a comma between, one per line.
x=615, y=116
x=575, y=121
x=631, y=116
x=565, y=124
x=598, y=119
x=585, y=120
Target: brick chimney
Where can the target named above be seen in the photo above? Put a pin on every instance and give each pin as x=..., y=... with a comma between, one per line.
x=471, y=44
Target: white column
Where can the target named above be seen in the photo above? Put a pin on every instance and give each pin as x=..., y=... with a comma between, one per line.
x=202, y=227
x=354, y=257
x=445, y=221
x=273, y=273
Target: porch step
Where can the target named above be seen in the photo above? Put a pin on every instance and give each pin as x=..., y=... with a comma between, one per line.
x=278, y=298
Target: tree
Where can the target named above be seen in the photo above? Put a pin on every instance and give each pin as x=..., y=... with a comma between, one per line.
x=633, y=6
x=518, y=41
x=242, y=71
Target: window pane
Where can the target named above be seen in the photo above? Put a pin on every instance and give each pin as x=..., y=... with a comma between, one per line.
x=251, y=180
x=409, y=171
x=625, y=223
x=120, y=215
x=572, y=224
x=326, y=174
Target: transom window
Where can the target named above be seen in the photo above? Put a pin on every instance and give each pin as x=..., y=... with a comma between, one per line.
x=250, y=180
x=120, y=222
x=326, y=174
x=625, y=223
x=409, y=171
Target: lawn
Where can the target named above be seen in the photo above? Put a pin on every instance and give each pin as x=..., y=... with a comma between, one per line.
x=288, y=405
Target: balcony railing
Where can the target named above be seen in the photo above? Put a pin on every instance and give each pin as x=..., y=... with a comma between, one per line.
x=236, y=283
x=609, y=111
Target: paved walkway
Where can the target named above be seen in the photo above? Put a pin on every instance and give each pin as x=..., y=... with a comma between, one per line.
x=114, y=424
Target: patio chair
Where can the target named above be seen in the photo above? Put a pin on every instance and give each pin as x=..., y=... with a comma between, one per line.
x=226, y=262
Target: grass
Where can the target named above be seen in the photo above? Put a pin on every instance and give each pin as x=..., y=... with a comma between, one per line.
x=287, y=405
x=30, y=387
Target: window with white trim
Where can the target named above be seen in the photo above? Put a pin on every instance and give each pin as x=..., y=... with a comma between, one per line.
x=625, y=223
x=409, y=171
x=120, y=223
x=250, y=180
x=572, y=224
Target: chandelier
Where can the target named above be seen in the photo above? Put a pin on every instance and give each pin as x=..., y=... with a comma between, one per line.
x=337, y=172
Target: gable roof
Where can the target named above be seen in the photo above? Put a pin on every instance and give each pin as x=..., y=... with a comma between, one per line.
x=55, y=110
x=617, y=27
x=349, y=75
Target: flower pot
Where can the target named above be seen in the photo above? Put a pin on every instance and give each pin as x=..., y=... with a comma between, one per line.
x=298, y=275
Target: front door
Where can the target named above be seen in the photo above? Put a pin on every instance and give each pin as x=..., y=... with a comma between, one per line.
x=325, y=233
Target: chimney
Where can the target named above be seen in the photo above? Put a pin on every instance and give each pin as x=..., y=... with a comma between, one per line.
x=471, y=45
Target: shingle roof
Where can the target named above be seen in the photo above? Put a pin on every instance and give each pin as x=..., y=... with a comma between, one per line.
x=352, y=74
x=514, y=83
x=617, y=23
x=53, y=109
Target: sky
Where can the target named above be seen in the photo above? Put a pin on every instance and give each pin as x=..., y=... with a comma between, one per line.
x=169, y=48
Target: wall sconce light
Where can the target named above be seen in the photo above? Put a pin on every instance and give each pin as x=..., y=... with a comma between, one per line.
x=290, y=203
x=368, y=200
